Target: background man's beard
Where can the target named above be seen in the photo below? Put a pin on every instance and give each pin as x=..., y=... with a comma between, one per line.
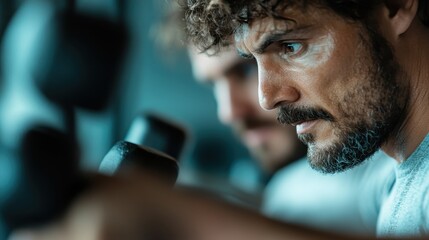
x=363, y=131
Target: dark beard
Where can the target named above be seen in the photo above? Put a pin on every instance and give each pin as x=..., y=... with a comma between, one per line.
x=291, y=114
x=376, y=109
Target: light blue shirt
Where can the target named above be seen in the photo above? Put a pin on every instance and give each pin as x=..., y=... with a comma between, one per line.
x=406, y=210
x=347, y=202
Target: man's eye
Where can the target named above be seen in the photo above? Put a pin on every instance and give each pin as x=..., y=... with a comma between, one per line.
x=290, y=49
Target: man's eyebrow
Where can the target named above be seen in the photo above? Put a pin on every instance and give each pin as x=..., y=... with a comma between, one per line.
x=270, y=38
x=264, y=43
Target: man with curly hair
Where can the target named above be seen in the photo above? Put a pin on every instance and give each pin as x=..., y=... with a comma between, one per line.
x=351, y=75
x=345, y=202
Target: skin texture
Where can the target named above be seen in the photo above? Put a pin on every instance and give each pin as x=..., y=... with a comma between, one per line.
x=234, y=81
x=137, y=197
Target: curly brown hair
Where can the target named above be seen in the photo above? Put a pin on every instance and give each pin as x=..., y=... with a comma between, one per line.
x=210, y=23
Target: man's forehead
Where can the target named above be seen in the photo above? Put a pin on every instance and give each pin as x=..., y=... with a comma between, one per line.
x=249, y=35
x=292, y=21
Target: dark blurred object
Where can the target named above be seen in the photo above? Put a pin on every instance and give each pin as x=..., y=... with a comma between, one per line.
x=7, y=9
x=76, y=63
x=8, y=178
x=46, y=179
x=80, y=59
x=152, y=130
x=125, y=154
x=152, y=143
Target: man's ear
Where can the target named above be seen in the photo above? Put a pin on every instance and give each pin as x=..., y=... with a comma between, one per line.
x=400, y=14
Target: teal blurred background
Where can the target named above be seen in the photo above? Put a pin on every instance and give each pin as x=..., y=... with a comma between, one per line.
x=153, y=80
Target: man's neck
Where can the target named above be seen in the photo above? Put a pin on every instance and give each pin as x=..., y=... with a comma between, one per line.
x=415, y=125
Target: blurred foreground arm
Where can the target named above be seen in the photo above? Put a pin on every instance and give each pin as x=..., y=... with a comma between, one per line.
x=143, y=207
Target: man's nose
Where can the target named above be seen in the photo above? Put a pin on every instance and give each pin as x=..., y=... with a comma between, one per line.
x=275, y=86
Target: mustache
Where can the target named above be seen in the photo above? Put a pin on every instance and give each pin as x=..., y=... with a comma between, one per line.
x=290, y=114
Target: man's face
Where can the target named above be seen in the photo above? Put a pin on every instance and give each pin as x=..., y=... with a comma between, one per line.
x=235, y=82
x=331, y=78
